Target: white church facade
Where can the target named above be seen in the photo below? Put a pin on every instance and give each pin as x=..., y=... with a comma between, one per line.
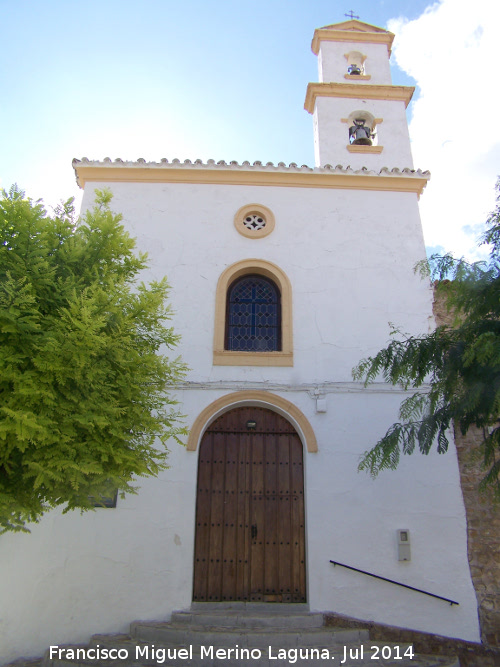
x=282, y=279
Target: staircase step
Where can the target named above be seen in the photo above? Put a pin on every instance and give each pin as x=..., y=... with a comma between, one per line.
x=239, y=635
x=247, y=619
x=169, y=634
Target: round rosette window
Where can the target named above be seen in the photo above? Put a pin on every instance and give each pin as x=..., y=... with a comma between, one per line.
x=254, y=221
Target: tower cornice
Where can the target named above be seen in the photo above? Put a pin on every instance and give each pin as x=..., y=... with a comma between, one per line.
x=352, y=31
x=360, y=91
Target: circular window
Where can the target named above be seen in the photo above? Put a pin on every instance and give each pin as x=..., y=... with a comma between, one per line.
x=254, y=221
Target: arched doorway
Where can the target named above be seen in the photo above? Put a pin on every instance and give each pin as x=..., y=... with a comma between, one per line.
x=250, y=522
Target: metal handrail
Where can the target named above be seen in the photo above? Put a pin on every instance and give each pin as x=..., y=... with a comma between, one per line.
x=398, y=583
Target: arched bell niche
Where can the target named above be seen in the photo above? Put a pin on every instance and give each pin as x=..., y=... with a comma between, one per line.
x=355, y=63
x=361, y=126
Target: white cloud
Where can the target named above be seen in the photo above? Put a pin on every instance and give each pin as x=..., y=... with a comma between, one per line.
x=452, y=53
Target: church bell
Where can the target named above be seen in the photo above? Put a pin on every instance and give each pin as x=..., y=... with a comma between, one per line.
x=360, y=134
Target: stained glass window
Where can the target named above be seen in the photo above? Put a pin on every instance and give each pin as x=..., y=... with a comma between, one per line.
x=253, y=321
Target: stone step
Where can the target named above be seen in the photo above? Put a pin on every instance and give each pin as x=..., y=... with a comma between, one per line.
x=118, y=641
x=165, y=633
x=240, y=635
x=248, y=619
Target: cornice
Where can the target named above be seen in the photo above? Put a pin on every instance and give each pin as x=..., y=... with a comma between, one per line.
x=360, y=91
x=356, y=36
x=222, y=173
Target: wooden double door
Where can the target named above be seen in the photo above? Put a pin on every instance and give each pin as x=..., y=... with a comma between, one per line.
x=250, y=524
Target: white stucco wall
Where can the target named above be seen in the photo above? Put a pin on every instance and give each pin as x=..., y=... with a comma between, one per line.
x=332, y=64
x=349, y=256
x=332, y=135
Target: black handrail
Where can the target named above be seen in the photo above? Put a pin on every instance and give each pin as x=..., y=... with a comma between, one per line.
x=398, y=583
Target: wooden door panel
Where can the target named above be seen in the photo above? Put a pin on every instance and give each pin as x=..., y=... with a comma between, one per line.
x=243, y=518
x=297, y=524
x=257, y=516
x=250, y=536
x=230, y=516
x=204, y=490
x=271, y=527
x=216, y=526
x=284, y=532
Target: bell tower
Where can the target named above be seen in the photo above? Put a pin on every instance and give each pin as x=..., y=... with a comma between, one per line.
x=359, y=116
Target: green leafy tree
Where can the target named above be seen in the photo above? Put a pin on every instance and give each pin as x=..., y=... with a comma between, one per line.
x=455, y=370
x=84, y=407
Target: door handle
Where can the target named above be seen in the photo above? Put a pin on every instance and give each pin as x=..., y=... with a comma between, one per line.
x=254, y=531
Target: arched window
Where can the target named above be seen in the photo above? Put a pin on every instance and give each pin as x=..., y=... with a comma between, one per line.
x=253, y=316
x=253, y=319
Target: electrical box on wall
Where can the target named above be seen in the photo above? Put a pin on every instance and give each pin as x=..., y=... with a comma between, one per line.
x=320, y=404
x=404, y=551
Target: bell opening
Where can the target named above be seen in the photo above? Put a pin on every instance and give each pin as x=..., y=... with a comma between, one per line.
x=360, y=134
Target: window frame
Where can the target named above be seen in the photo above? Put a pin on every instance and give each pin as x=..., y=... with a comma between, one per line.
x=235, y=283
x=224, y=357
x=254, y=209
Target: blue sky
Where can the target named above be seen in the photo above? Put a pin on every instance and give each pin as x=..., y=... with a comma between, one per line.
x=226, y=80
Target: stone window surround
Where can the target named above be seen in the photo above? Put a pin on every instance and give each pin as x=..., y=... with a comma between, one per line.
x=283, y=357
x=254, y=209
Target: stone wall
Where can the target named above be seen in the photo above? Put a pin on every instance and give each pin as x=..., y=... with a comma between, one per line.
x=483, y=521
x=469, y=654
